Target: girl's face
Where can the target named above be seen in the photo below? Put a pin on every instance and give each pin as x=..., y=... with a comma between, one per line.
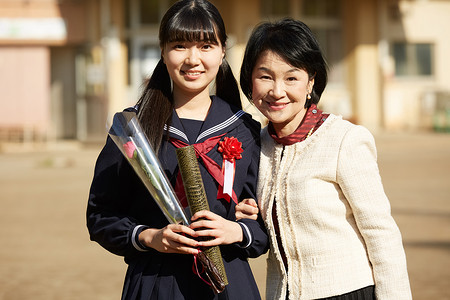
x=280, y=91
x=192, y=66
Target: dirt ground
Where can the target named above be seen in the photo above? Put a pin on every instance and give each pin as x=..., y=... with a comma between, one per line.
x=45, y=252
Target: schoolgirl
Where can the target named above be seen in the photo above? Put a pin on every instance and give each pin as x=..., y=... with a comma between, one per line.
x=176, y=109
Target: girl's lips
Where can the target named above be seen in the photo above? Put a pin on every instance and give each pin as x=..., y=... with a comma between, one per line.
x=191, y=74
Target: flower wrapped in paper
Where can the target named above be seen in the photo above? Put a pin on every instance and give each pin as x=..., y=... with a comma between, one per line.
x=129, y=137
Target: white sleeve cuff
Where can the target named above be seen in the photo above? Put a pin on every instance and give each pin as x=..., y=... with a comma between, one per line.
x=134, y=238
x=246, y=233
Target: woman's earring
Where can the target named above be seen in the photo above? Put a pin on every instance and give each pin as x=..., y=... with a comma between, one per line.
x=308, y=96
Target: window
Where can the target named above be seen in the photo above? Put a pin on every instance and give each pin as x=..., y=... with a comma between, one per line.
x=275, y=8
x=142, y=19
x=149, y=11
x=149, y=57
x=324, y=17
x=322, y=8
x=413, y=59
x=145, y=13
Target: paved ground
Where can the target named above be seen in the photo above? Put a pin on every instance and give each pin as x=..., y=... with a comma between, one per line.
x=45, y=252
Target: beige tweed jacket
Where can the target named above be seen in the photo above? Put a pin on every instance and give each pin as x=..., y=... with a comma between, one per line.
x=335, y=222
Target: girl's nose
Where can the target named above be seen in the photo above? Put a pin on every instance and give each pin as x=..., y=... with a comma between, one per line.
x=193, y=56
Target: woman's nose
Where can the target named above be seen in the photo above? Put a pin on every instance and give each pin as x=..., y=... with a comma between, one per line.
x=277, y=91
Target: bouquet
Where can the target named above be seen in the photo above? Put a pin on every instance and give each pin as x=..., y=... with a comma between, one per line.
x=127, y=134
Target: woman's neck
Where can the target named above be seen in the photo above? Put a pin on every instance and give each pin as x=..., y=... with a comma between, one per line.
x=192, y=107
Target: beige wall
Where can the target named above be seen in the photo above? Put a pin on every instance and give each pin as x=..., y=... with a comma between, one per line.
x=24, y=88
x=31, y=104
x=377, y=98
x=361, y=48
x=409, y=103
x=74, y=14
x=240, y=17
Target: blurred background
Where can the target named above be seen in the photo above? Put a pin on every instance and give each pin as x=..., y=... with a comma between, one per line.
x=66, y=66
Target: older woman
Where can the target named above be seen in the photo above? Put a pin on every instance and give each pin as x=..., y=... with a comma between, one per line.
x=319, y=189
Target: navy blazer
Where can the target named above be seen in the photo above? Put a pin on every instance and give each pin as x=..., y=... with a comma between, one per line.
x=119, y=204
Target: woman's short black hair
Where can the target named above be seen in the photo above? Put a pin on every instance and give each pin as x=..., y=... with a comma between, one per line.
x=294, y=42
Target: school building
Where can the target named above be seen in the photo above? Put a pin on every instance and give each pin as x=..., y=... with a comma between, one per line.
x=67, y=65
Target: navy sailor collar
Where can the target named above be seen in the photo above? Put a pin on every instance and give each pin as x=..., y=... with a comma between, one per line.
x=221, y=118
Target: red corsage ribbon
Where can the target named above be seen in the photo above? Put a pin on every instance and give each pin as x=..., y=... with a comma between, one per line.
x=231, y=150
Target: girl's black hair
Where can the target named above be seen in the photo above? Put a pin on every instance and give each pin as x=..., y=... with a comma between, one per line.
x=293, y=41
x=192, y=21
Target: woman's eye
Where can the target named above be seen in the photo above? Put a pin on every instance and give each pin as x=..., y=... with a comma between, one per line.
x=207, y=46
x=291, y=79
x=178, y=46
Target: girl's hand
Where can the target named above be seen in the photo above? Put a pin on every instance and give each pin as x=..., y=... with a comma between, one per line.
x=170, y=239
x=247, y=209
x=222, y=231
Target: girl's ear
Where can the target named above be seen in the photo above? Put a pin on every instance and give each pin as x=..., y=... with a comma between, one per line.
x=162, y=55
x=223, y=53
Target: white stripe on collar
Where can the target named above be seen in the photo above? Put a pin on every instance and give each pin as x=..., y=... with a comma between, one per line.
x=176, y=131
x=209, y=131
x=221, y=126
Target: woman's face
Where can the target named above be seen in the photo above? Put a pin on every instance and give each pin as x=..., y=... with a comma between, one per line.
x=192, y=66
x=280, y=91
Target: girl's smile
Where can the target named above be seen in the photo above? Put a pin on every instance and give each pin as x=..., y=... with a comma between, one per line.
x=191, y=75
x=192, y=66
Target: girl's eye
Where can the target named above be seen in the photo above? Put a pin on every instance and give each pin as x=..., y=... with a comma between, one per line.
x=291, y=79
x=266, y=77
x=178, y=46
x=207, y=46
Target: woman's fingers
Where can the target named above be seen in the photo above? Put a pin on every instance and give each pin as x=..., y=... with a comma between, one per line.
x=247, y=209
x=250, y=201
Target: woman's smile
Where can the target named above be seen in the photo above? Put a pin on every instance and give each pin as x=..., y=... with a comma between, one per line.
x=280, y=91
x=277, y=105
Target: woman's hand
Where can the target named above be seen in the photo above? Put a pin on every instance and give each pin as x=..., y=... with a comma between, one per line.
x=222, y=231
x=247, y=209
x=173, y=238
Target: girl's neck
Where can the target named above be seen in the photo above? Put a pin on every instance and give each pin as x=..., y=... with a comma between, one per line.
x=192, y=107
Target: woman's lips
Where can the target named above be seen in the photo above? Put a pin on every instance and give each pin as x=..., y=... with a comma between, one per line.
x=277, y=106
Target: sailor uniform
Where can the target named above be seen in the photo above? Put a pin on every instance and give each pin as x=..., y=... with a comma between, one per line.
x=120, y=207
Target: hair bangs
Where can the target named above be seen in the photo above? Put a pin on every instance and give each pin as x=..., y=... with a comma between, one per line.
x=191, y=27
x=286, y=47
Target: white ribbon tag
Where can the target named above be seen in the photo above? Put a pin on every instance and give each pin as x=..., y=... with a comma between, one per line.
x=228, y=178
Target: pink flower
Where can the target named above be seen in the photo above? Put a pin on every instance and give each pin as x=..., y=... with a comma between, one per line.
x=231, y=148
x=129, y=148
